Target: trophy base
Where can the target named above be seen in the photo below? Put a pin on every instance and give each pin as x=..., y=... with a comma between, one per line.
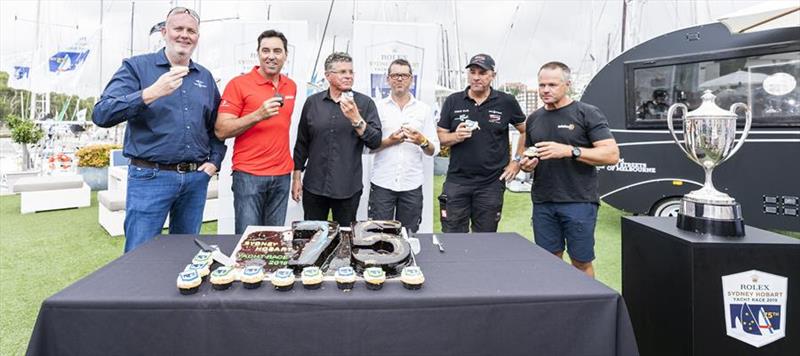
x=719, y=220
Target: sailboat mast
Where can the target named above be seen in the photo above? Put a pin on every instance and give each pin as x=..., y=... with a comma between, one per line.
x=100, y=48
x=35, y=59
x=133, y=11
x=624, y=16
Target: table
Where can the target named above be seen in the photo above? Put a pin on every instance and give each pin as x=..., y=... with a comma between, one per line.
x=672, y=283
x=488, y=294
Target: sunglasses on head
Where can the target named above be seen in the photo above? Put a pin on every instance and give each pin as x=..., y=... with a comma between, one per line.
x=184, y=10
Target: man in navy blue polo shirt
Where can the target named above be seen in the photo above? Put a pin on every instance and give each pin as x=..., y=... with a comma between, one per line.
x=474, y=123
x=170, y=104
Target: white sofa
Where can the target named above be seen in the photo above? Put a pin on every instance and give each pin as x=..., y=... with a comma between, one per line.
x=111, y=204
x=52, y=192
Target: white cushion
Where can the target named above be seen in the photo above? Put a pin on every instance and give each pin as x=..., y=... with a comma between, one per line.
x=55, y=182
x=113, y=200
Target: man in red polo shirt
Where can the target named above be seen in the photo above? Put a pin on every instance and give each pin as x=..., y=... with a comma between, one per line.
x=256, y=108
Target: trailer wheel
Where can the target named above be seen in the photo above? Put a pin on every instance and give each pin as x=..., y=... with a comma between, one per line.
x=666, y=207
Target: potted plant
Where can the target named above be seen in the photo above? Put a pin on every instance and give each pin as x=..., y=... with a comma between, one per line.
x=93, y=163
x=24, y=132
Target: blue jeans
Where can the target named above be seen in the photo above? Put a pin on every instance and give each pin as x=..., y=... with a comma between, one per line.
x=570, y=225
x=259, y=200
x=154, y=193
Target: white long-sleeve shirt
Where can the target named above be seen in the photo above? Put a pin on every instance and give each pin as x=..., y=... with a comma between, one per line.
x=399, y=167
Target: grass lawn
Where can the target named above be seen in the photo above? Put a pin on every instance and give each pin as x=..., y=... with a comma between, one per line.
x=42, y=253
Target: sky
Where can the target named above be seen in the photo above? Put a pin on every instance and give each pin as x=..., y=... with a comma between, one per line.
x=520, y=35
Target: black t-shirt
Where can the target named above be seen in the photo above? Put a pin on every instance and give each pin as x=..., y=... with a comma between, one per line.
x=480, y=159
x=566, y=180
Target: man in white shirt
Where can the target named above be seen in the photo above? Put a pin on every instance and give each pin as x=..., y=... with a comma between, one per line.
x=409, y=132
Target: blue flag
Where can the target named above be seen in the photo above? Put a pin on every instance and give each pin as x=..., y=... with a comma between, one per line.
x=21, y=72
x=67, y=60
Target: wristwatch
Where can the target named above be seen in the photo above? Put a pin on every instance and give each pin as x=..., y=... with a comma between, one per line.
x=576, y=152
x=517, y=158
x=425, y=143
x=359, y=124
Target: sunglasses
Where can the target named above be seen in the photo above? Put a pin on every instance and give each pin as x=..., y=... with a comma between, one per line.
x=184, y=10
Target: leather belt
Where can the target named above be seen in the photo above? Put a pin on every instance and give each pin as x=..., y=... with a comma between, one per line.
x=182, y=167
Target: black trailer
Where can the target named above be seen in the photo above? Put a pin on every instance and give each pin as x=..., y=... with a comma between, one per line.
x=761, y=69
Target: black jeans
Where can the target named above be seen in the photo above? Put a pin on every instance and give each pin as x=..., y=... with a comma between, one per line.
x=481, y=205
x=317, y=207
x=406, y=207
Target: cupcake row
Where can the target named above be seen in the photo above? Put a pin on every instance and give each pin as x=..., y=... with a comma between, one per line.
x=283, y=279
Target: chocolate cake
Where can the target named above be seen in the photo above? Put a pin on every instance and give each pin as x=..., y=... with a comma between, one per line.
x=267, y=246
x=313, y=242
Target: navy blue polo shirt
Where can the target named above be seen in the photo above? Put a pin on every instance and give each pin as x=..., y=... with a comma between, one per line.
x=480, y=159
x=172, y=129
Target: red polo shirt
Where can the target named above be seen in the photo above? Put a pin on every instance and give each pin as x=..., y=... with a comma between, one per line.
x=262, y=150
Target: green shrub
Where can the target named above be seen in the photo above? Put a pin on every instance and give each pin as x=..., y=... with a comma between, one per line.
x=95, y=155
x=444, y=151
x=24, y=131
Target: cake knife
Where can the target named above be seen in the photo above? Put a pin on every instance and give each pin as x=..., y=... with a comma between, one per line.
x=216, y=254
x=438, y=243
x=413, y=242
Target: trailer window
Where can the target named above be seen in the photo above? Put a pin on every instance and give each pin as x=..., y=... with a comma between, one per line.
x=769, y=84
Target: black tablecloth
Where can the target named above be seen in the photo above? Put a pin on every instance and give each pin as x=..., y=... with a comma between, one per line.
x=488, y=294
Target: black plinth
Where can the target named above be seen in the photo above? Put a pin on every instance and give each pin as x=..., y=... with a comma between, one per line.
x=672, y=285
x=733, y=228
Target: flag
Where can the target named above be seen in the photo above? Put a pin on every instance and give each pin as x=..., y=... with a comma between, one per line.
x=64, y=61
x=21, y=72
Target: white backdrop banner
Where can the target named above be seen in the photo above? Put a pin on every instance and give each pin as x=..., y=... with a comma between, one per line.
x=375, y=45
x=228, y=49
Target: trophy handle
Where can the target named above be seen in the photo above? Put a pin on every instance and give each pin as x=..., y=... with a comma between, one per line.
x=748, y=122
x=672, y=128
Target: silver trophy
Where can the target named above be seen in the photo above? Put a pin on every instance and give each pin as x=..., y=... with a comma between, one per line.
x=709, y=138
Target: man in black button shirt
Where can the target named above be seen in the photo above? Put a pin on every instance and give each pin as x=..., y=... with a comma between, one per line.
x=334, y=127
x=474, y=123
x=571, y=138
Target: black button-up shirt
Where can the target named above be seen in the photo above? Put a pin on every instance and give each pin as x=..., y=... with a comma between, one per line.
x=329, y=149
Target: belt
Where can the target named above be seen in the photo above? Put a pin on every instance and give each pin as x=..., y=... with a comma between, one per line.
x=182, y=167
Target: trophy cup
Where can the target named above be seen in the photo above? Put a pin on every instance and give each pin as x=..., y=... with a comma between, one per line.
x=709, y=138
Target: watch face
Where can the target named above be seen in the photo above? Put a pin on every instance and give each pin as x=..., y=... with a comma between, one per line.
x=576, y=152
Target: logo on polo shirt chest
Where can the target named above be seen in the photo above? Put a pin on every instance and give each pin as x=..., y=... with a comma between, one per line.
x=495, y=116
x=568, y=127
x=199, y=83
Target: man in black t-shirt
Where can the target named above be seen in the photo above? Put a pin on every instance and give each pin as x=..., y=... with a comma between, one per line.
x=474, y=123
x=571, y=138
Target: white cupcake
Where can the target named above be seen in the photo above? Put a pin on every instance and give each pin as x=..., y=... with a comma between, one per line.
x=222, y=277
x=252, y=276
x=189, y=282
x=202, y=268
x=311, y=277
x=345, y=278
x=374, y=276
x=412, y=277
x=202, y=257
x=283, y=279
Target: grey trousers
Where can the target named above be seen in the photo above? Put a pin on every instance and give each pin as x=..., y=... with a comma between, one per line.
x=406, y=207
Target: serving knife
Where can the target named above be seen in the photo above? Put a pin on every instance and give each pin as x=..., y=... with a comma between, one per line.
x=216, y=254
x=438, y=243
